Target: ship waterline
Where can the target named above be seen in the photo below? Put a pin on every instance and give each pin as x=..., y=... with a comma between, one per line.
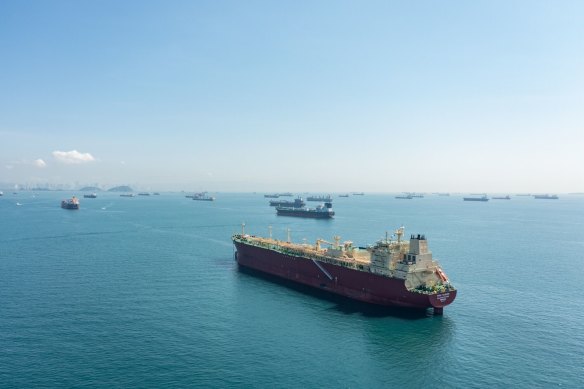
x=408, y=282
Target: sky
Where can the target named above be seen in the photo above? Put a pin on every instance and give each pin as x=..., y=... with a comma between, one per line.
x=323, y=96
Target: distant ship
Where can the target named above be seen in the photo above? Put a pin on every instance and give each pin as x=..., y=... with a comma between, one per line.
x=389, y=273
x=482, y=198
x=501, y=197
x=418, y=195
x=323, y=211
x=72, y=203
x=405, y=197
x=90, y=196
x=143, y=194
x=272, y=196
x=546, y=197
x=1, y=193
x=358, y=194
x=285, y=194
x=127, y=195
x=326, y=198
x=203, y=197
x=156, y=194
x=523, y=194
x=297, y=203
x=343, y=195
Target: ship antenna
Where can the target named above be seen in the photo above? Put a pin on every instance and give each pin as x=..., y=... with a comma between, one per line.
x=243, y=228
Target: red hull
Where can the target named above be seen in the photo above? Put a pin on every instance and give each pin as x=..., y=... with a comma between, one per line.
x=354, y=284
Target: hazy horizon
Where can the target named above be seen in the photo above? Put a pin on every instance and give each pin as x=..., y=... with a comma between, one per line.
x=376, y=96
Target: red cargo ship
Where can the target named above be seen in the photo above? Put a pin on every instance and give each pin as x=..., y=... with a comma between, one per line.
x=390, y=273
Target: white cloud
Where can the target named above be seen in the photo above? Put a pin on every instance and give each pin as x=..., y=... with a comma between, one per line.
x=39, y=163
x=73, y=157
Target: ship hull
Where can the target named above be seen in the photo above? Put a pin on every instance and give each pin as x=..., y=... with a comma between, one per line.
x=357, y=285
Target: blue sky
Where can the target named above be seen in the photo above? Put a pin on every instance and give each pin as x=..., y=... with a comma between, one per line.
x=376, y=96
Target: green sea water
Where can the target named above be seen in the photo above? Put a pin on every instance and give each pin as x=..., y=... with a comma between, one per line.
x=144, y=292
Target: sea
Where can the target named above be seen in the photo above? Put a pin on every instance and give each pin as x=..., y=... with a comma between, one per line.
x=144, y=292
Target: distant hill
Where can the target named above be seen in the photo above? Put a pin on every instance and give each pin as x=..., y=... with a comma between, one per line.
x=121, y=189
x=90, y=189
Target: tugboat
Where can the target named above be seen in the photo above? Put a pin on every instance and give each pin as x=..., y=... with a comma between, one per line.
x=323, y=211
x=72, y=203
x=297, y=203
x=393, y=272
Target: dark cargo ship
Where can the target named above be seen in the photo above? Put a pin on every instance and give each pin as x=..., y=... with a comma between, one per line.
x=72, y=203
x=327, y=198
x=323, y=211
x=546, y=197
x=390, y=273
x=482, y=198
x=297, y=203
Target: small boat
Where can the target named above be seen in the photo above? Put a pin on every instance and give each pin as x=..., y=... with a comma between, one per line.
x=72, y=203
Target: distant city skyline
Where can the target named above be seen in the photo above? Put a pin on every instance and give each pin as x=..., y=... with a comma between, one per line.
x=322, y=96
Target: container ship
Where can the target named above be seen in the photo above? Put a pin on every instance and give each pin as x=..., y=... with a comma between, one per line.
x=72, y=203
x=393, y=272
x=323, y=211
x=297, y=203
